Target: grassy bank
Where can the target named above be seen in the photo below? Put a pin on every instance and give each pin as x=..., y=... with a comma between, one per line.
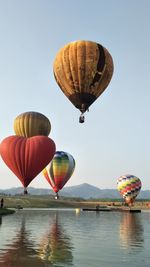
x=29, y=201
x=41, y=202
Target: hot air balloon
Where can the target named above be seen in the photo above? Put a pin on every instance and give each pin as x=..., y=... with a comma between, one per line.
x=83, y=70
x=129, y=187
x=32, y=123
x=59, y=171
x=27, y=157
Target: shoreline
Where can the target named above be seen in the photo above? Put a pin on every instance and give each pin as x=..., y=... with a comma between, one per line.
x=30, y=201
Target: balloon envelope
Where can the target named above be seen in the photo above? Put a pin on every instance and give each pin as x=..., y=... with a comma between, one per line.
x=32, y=123
x=26, y=157
x=83, y=70
x=59, y=171
x=129, y=187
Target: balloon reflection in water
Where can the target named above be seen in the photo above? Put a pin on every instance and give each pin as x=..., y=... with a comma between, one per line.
x=131, y=230
x=56, y=246
x=20, y=253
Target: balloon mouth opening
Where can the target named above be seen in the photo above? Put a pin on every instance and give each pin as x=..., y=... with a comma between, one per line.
x=82, y=101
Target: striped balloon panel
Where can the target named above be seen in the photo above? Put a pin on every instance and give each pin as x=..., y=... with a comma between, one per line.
x=59, y=169
x=46, y=175
x=129, y=186
x=71, y=166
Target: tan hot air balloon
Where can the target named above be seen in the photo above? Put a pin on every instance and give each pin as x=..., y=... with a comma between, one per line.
x=32, y=123
x=83, y=70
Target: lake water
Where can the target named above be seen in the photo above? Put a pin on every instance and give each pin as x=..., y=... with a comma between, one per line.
x=57, y=238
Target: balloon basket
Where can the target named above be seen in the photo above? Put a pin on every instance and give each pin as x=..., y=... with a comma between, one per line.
x=56, y=196
x=81, y=118
x=25, y=192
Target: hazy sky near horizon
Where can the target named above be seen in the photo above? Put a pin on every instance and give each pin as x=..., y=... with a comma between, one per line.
x=115, y=138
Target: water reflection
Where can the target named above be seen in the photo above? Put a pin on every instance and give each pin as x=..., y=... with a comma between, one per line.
x=20, y=252
x=131, y=230
x=0, y=220
x=56, y=247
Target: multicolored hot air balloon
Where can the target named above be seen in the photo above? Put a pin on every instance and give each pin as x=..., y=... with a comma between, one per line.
x=27, y=157
x=32, y=123
x=129, y=187
x=83, y=70
x=59, y=171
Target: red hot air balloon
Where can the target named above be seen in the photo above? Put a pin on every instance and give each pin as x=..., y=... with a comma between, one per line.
x=26, y=157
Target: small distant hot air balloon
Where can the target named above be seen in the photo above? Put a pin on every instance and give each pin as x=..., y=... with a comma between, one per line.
x=31, y=123
x=27, y=157
x=129, y=187
x=59, y=171
x=83, y=70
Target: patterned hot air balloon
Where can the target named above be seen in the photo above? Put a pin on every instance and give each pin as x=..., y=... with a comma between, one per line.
x=59, y=171
x=83, y=70
x=129, y=187
x=32, y=123
x=27, y=157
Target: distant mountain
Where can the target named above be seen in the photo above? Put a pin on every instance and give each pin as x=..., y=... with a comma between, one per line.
x=31, y=190
x=85, y=191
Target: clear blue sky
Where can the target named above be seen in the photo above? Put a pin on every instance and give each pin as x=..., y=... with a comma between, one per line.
x=115, y=139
